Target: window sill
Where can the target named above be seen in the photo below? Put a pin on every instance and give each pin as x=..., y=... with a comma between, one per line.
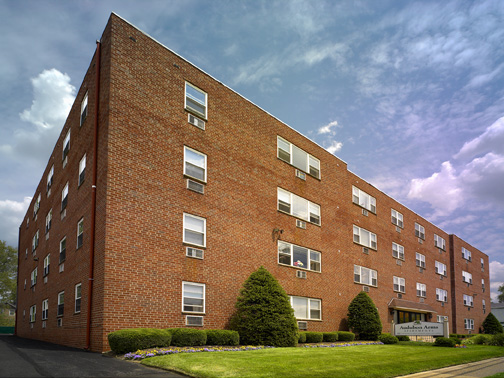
x=293, y=216
x=196, y=114
x=300, y=268
x=309, y=320
x=193, y=313
x=186, y=244
x=308, y=173
x=362, y=207
x=365, y=246
x=365, y=284
x=195, y=179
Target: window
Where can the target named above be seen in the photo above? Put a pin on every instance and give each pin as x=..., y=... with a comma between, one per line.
x=306, y=308
x=62, y=254
x=298, y=257
x=299, y=207
x=483, y=285
x=36, y=207
x=33, y=313
x=195, y=164
x=419, y=231
x=34, y=277
x=84, y=109
x=82, y=170
x=364, y=237
x=294, y=155
x=398, y=251
x=420, y=260
x=439, y=242
x=80, y=233
x=365, y=276
x=441, y=295
x=440, y=268
x=45, y=309
x=64, y=197
x=47, y=261
x=469, y=323
x=466, y=254
x=468, y=300
x=66, y=145
x=195, y=100
x=194, y=230
x=399, y=284
x=482, y=264
x=193, y=297
x=61, y=303
x=35, y=241
x=50, y=178
x=421, y=290
x=484, y=305
x=363, y=199
x=78, y=298
x=397, y=218
x=48, y=221
x=467, y=277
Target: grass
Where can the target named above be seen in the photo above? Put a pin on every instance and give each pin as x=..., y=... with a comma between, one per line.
x=357, y=361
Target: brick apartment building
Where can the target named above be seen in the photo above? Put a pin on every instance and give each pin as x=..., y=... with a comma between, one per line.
x=166, y=189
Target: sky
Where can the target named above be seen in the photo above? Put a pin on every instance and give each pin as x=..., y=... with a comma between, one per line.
x=410, y=94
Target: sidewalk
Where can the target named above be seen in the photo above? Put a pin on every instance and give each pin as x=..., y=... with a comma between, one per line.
x=479, y=369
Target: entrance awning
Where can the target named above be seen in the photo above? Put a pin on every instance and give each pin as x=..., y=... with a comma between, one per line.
x=404, y=305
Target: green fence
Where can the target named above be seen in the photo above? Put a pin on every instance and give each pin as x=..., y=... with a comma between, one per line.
x=4, y=330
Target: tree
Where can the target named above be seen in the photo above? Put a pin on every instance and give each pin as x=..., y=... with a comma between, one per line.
x=491, y=325
x=500, y=297
x=8, y=270
x=363, y=317
x=264, y=315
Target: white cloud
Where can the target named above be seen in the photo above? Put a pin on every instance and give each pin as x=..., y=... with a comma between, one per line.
x=334, y=147
x=11, y=216
x=329, y=128
x=492, y=140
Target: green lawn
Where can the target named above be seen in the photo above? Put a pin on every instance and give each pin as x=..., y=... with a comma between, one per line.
x=354, y=361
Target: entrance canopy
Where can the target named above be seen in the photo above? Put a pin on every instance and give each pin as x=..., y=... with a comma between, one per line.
x=404, y=305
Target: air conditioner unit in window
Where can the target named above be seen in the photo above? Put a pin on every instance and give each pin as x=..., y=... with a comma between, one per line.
x=399, y=295
x=303, y=326
x=195, y=186
x=300, y=274
x=60, y=322
x=300, y=174
x=195, y=121
x=44, y=324
x=195, y=321
x=365, y=250
x=195, y=253
x=398, y=229
x=45, y=279
x=420, y=241
x=365, y=212
x=365, y=289
x=399, y=262
x=61, y=268
x=441, y=277
x=422, y=300
x=442, y=304
x=300, y=224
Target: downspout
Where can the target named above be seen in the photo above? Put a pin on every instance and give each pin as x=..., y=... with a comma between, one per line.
x=93, y=197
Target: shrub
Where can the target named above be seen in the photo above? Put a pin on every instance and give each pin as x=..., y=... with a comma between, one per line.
x=387, y=338
x=330, y=337
x=444, y=342
x=264, y=315
x=457, y=340
x=314, y=337
x=346, y=336
x=188, y=337
x=403, y=338
x=497, y=340
x=481, y=339
x=302, y=337
x=222, y=337
x=363, y=317
x=491, y=325
x=130, y=340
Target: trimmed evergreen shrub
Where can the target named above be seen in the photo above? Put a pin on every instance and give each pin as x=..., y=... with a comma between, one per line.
x=130, y=340
x=302, y=337
x=497, y=340
x=403, y=338
x=264, y=315
x=444, y=342
x=346, y=336
x=481, y=339
x=330, y=337
x=363, y=317
x=387, y=338
x=222, y=337
x=456, y=339
x=491, y=325
x=314, y=337
x=188, y=337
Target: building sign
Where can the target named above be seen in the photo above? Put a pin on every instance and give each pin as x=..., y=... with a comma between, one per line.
x=419, y=328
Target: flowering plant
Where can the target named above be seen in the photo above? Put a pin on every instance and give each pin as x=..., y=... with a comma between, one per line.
x=298, y=263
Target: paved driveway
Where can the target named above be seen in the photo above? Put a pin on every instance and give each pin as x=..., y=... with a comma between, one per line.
x=31, y=358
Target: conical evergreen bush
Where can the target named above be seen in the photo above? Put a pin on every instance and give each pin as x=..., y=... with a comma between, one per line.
x=491, y=325
x=363, y=318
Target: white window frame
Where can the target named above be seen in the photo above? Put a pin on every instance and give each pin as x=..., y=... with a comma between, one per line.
x=483, y=284
x=399, y=284
x=363, y=199
x=61, y=302
x=185, y=227
x=33, y=313
x=468, y=300
x=466, y=254
x=82, y=170
x=397, y=218
x=466, y=277
x=482, y=263
x=441, y=295
x=310, y=302
x=66, y=143
x=188, y=284
x=80, y=233
x=78, y=298
x=36, y=206
x=84, y=109
x=50, y=178
x=469, y=324
x=312, y=210
x=45, y=309
x=421, y=290
x=438, y=265
x=310, y=254
x=357, y=237
x=33, y=277
x=64, y=197
x=397, y=251
x=420, y=260
x=61, y=249
x=35, y=241
x=372, y=274
x=483, y=302
x=439, y=242
x=310, y=165
x=47, y=262
x=187, y=162
x=419, y=231
x=48, y=221
x=196, y=100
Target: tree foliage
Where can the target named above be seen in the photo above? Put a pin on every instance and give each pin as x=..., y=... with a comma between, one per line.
x=491, y=325
x=264, y=315
x=500, y=297
x=8, y=270
x=363, y=317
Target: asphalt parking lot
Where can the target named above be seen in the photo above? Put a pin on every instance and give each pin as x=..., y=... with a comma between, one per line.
x=31, y=358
